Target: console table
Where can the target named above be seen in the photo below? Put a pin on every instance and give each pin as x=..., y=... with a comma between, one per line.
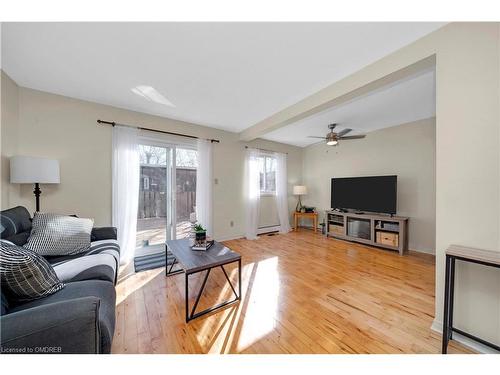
x=466, y=254
x=388, y=232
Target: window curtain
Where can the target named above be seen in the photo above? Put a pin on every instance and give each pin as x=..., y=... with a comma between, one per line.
x=125, y=185
x=282, y=192
x=204, y=185
x=252, y=193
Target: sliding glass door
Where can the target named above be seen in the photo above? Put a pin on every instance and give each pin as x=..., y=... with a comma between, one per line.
x=154, y=217
x=185, y=190
x=167, y=193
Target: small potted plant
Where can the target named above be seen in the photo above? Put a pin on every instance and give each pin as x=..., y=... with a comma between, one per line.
x=200, y=232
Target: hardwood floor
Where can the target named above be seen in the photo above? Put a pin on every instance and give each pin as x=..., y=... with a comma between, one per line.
x=302, y=293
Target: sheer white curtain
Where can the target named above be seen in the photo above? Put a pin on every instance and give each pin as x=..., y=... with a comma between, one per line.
x=252, y=193
x=282, y=192
x=125, y=184
x=204, y=185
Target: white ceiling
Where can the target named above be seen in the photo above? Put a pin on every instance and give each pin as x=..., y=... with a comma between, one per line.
x=411, y=99
x=224, y=75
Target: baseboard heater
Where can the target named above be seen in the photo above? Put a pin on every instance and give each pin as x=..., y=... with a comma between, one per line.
x=268, y=229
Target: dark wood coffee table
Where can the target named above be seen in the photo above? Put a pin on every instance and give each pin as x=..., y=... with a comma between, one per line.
x=192, y=261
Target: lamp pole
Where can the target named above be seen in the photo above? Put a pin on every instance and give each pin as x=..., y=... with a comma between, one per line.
x=37, y=193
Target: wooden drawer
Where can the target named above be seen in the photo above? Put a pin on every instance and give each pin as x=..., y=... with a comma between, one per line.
x=337, y=229
x=388, y=238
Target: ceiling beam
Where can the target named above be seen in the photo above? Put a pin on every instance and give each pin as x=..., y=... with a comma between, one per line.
x=394, y=67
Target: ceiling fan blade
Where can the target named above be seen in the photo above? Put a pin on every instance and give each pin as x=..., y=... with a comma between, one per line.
x=353, y=137
x=313, y=136
x=343, y=132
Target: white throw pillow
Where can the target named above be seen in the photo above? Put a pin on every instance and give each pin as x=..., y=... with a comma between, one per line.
x=55, y=235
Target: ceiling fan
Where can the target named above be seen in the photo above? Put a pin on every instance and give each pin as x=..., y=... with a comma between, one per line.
x=332, y=138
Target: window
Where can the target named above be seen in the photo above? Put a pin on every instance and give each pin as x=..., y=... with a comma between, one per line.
x=267, y=168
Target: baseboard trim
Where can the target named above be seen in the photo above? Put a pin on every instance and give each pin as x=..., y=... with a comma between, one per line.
x=424, y=251
x=229, y=238
x=471, y=344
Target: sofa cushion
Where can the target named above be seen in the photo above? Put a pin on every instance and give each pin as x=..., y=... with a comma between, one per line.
x=103, y=233
x=14, y=221
x=53, y=234
x=100, y=267
x=20, y=238
x=92, y=267
x=103, y=290
x=26, y=275
x=96, y=247
x=5, y=304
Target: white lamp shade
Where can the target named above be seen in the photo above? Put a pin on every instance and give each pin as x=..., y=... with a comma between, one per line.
x=299, y=190
x=31, y=170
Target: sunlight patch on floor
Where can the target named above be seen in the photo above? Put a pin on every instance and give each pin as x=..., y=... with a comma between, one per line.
x=218, y=337
x=130, y=284
x=260, y=313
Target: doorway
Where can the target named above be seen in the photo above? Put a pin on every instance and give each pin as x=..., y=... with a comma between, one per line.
x=167, y=194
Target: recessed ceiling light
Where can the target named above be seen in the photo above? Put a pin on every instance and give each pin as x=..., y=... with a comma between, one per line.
x=151, y=94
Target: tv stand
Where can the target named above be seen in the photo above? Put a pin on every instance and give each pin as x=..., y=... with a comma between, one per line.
x=388, y=232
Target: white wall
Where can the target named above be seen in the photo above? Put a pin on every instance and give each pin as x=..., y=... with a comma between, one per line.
x=467, y=169
x=9, y=138
x=66, y=129
x=407, y=151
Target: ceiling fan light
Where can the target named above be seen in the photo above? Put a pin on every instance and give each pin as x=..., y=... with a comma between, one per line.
x=331, y=139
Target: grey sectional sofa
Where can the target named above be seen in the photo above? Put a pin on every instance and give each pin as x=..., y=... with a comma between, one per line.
x=80, y=318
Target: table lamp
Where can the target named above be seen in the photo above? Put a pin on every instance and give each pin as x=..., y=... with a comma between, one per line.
x=299, y=190
x=34, y=170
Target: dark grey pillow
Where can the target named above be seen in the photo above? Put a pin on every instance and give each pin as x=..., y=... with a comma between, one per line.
x=26, y=275
x=56, y=235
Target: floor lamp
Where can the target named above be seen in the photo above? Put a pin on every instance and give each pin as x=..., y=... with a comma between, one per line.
x=33, y=170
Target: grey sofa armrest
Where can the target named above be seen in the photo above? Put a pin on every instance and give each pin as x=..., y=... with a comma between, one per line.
x=62, y=327
x=103, y=233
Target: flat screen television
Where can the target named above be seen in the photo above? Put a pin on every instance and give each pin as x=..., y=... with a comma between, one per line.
x=374, y=194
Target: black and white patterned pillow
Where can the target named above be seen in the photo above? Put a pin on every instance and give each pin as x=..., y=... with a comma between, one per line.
x=25, y=275
x=55, y=235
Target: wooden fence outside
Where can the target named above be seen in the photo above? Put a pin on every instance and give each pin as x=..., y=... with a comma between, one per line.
x=185, y=204
x=154, y=203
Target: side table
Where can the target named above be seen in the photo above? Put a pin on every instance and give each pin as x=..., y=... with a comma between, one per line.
x=307, y=215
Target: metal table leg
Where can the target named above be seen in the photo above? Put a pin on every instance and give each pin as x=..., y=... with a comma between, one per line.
x=239, y=279
x=168, y=270
x=446, y=318
x=452, y=295
x=193, y=314
x=186, y=283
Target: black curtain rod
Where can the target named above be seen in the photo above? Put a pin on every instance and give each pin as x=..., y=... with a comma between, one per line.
x=263, y=149
x=112, y=123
